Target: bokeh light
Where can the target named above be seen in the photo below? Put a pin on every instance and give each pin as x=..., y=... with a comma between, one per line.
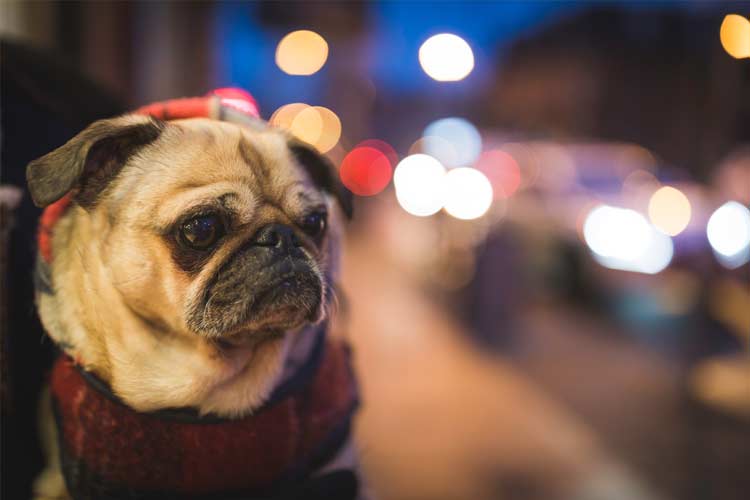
x=446, y=57
x=502, y=170
x=468, y=193
x=301, y=52
x=616, y=232
x=285, y=115
x=728, y=232
x=366, y=170
x=383, y=147
x=735, y=36
x=455, y=142
x=419, y=182
x=623, y=239
x=315, y=125
x=322, y=120
x=669, y=210
x=307, y=125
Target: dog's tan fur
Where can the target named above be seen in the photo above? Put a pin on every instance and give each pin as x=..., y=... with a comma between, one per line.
x=119, y=299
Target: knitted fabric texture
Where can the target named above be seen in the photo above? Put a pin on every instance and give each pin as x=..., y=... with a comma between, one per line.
x=110, y=448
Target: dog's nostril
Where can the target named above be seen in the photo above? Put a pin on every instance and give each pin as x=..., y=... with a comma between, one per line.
x=276, y=235
x=271, y=239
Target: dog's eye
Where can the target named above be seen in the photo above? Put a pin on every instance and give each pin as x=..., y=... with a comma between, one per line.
x=314, y=224
x=200, y=233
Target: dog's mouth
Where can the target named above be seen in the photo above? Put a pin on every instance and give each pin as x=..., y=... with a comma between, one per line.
x=246, y=339
x=248, y=300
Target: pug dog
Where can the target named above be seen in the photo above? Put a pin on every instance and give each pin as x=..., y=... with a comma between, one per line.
x=193, y=261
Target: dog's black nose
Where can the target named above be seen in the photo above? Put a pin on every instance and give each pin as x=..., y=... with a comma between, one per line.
x=276, y=236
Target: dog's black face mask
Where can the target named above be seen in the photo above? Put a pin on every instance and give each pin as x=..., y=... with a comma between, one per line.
x=268, y=286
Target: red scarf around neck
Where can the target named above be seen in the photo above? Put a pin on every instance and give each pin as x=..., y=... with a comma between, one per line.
x=109, y=448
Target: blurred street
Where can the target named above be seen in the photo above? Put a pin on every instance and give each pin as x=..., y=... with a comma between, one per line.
x=575, y=409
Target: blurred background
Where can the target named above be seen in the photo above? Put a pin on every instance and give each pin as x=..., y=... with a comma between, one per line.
x=547, y=278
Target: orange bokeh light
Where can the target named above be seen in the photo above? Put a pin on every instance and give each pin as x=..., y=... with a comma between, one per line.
x=735, y=36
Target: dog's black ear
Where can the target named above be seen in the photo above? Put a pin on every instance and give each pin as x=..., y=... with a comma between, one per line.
x=88, y=162
x=323, y=174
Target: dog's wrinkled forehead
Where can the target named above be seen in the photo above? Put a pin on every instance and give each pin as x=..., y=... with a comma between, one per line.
x=122, y=158
x=198, y=159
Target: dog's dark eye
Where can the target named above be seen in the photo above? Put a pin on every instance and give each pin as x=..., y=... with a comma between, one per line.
x=314, y=224
x=200, y=233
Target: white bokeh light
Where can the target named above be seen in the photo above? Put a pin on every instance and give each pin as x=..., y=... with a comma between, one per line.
x=446, y=57
x=728, y=232
x=623, y=239
x=468, y=193
x=616, y=232
x=419, y=182
x=453, y=141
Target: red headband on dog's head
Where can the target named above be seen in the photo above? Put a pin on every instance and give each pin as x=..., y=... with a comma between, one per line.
x=227, y=104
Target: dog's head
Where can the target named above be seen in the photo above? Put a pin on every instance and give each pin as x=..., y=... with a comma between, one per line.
x=204, y=236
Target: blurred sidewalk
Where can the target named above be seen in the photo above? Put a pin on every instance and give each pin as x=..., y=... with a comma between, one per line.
x=442, y=421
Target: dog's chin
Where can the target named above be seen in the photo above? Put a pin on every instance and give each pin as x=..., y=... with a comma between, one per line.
x=244, y=338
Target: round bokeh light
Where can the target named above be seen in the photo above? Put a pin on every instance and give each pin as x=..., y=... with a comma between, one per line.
x=455, y=142
x=301, y=52
x=468, y=193
x=330, y=132
x=669, y=210
x=315, y=125
x=383, y=147
x=419, y=183
x=365, y=171
x=307, y=125
x=446, y=57
x=735, y=36
x=620, y=238
x=728, y=229
x=285, y=115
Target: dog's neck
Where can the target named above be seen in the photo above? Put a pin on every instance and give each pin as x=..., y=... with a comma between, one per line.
x=299, y=353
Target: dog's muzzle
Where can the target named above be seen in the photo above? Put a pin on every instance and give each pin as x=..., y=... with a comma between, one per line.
x=270, y=284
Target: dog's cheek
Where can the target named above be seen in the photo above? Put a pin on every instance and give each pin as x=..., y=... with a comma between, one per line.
x=145, y=279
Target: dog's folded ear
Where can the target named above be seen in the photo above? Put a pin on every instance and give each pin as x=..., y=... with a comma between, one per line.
x=323, y=173
x=87, y=163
